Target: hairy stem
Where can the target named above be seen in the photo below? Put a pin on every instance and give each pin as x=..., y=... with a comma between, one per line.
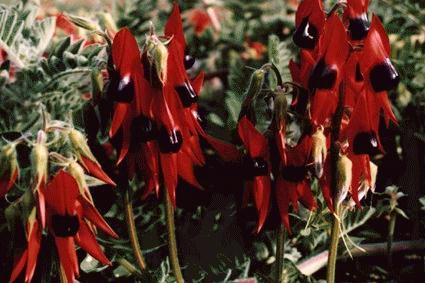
x=172, y=243
x=336, y=126
x=134, y=240
x=280, y=253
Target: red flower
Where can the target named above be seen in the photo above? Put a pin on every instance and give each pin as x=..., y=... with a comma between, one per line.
x=355, y=16
x=200, y=20
x=69, y=216
x=309, y=22
x=257, y=167
x=293, y=184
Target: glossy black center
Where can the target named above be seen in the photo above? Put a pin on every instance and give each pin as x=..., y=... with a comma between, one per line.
x=170, y=142
x=254, y=167
x=188, y=61
x=187, y=94
x=306, y=35
x=120, y=89
x=294, y=174
x=384, y=76
x=143, y=129
x=365, y=143
x=65, y=225
x=322, y=76
x=359, y=27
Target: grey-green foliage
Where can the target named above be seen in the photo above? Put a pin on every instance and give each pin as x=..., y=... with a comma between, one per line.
x=22, y=36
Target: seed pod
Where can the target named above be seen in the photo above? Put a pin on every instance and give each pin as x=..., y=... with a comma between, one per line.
x=83, y=23
x=77, y=172
x=343, y=177
x=319, y=151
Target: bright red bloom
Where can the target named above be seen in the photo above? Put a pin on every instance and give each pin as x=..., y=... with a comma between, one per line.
x=200, y=20
x=293, y=184
x=257, y=167
x=309, y=22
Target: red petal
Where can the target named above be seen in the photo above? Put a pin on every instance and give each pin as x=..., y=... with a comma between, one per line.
x=306, y=195
x=254, y=141
x=125, y=52
x=119, y=116
x=323, y=106
x=185, y=169
x=67, y=257
x=174, y=26
x=19, y=266
x=325, y=183
x=91, y=213
x=313, y=10
x=125, y=145
x=262, y=199
x=94, y=169
x=169, y=173
x=34, y=243
x=87, y=241
x=282, y=198
x=355, y=8
x=197, y=82
x=61, y=193
x=7, y=182
x=41, y=203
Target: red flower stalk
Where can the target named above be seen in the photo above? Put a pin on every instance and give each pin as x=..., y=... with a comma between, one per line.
x=257, y=167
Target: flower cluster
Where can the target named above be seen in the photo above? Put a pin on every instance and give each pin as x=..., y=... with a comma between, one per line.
x=59, y=203
x=339, y=92
x=155, y=125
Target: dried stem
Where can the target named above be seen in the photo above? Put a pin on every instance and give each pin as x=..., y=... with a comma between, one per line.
x=391, y=227
x=172, y=243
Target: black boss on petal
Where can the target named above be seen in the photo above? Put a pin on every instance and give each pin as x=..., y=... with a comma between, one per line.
x=187, y=94
x=359, y=27
x=188, y=61
x=294, y=174
x=65, y=225
x=322, y=76
x=384, y=76
x=143, y=129
x=170, y=142
x=121, y=89
x=365, y=143
x=254, y=167
x=306, y=35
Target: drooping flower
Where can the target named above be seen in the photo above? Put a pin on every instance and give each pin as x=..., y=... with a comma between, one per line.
x=256, y=165
x=309, y=22
x=68, y=217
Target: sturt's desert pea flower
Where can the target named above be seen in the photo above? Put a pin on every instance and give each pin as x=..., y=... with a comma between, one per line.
x=257, y=167
x=355, y=17
x=309, y=22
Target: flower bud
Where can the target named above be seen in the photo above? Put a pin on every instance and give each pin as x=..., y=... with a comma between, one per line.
x=83, y=23
x=255, y=84
x=39, y=161
x=79, y=143
x=9, y=169
x=108, y=22
x=318, y=151
x=343, y=177
x=158, y=55
x=77, y=172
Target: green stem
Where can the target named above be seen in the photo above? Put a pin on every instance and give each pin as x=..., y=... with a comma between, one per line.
x=172, y=243
x=333, y=249
x=134, y=240
x=391, y=227
x=280, y=253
